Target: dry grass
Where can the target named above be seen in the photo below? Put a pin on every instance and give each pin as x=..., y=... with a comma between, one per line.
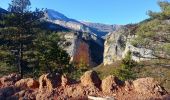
x=158, y=69
x=105, y=71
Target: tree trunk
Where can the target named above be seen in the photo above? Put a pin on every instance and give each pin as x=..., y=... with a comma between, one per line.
x=20, y=61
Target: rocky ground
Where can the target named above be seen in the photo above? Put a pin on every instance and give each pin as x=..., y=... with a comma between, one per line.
x=59, y=87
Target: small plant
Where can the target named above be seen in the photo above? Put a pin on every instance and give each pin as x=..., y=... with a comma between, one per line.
x=125, y=71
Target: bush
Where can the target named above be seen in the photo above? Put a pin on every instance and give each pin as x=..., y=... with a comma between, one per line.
x=76, y=73
x=125, y=71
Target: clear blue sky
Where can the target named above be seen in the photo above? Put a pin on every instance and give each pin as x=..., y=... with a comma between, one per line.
x=103, y=11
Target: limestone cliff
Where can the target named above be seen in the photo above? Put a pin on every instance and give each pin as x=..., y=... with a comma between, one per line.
x=83, y=48
x=118, y=43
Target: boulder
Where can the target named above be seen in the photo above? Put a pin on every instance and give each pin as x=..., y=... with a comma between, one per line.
x=49, y=82
x=110, y=84
x=148, y=86
x=90, y=78
x=75, y=91
x=27, y=83
x=10, y=79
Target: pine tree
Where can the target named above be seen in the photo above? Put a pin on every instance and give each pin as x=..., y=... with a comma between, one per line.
x=19, y=6
x=19, y=30
x=50, y=54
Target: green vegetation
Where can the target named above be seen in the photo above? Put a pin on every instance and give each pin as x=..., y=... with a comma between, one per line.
x=31, y=50
x=125, y=72
x=158, y=69
x=26, y=47
x=122, y=69
x=154, y=34
x=50, y=55
x=165, y=11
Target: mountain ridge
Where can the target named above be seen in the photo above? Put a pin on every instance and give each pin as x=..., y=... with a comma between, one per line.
x=2, y=10
x=98, y=29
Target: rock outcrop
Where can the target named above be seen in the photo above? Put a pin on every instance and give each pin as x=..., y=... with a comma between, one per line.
x=90, y=78
x=9, y=80
x=27, y=83
x=148, y=86
x=110, y=84
x=83, y=48
x=49, y=81
x=114, y=46
x=118, y=43
x=56, y=87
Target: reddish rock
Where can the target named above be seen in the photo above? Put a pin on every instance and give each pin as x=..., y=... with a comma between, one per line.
x=10, y=79
x=90, y=78
x=75, y=91
x=128, y=86
x=49, y=82
x=82, y=55
x=148, y=86
x=27, y=83
x=55, y=87
x=110, y=84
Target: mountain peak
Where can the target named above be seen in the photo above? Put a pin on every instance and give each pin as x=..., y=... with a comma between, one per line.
x=55, y=15
x=98, y=29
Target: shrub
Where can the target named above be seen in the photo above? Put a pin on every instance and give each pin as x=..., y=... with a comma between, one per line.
x=125, y=71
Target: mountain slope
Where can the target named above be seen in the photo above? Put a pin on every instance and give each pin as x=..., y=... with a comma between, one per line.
x=2, y=10
x=147, y=40
x=97, y=29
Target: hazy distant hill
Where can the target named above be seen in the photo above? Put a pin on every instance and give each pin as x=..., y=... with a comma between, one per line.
x=101, y=27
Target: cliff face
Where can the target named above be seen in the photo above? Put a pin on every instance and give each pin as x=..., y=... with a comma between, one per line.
x=114, y=46
x=82, y=54
x=118, y=43
x=83, y=48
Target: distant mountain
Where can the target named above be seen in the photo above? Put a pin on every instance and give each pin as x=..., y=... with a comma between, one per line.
x=97, y=29
x=101, y=27
x=3, y=10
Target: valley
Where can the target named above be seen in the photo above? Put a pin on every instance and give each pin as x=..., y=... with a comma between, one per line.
x=45, y=55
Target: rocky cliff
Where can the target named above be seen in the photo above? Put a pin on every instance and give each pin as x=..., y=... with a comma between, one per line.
x=118, y=43
x=83, y=48
x=97, y=29
x=90, y=86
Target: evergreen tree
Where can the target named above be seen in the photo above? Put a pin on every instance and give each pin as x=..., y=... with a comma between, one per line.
x=19, y=30
x=51, y=56
x=19, y=6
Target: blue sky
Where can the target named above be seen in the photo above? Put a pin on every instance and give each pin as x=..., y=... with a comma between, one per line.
x=103, y=11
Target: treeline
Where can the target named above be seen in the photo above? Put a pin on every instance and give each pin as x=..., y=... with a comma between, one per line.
x=26, y=46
